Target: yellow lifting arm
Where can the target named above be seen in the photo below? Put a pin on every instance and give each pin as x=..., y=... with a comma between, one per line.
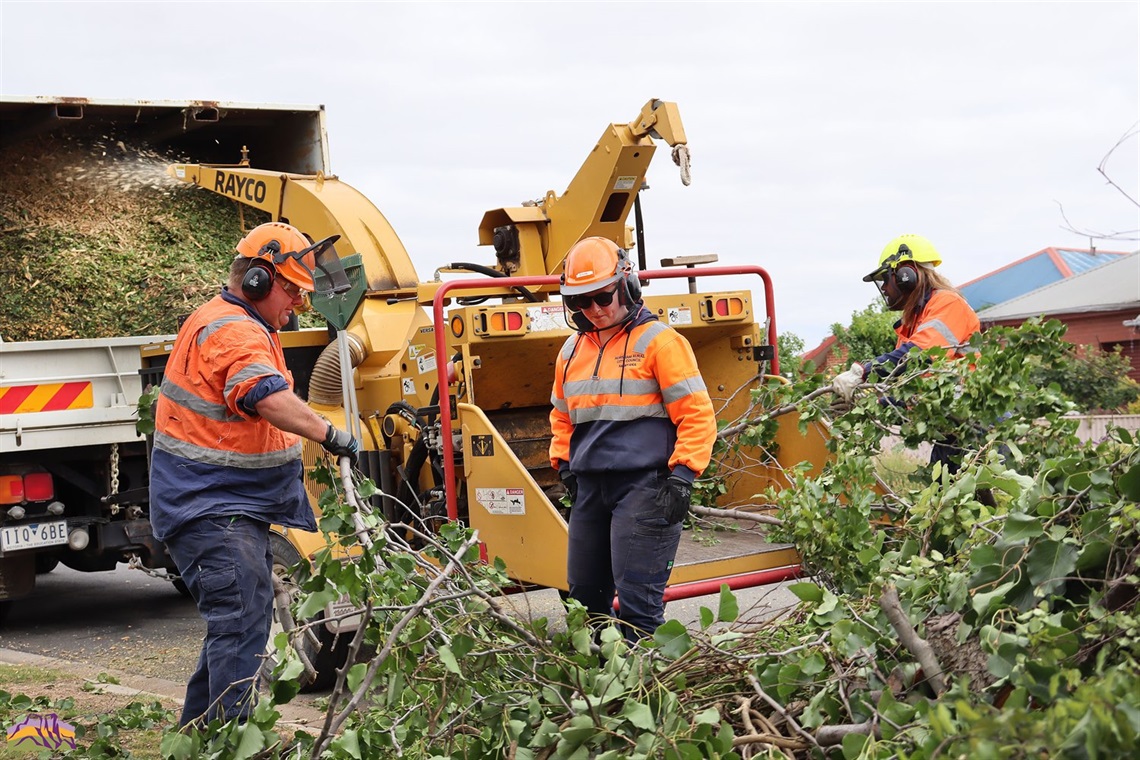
x=534, y=240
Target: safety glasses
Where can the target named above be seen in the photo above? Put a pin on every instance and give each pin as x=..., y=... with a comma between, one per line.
x=582, y=302
x=292, y=290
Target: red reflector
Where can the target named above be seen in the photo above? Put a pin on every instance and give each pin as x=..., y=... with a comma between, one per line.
x=722, y=307
x=514, y=320
x=38, y=486
x=11, y=489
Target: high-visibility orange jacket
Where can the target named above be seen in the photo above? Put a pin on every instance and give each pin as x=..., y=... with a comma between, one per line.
x=946, y=320
x=635, y=402
x=213, y=454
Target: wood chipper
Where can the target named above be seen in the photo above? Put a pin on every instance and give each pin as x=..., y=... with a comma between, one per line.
x=447, y=382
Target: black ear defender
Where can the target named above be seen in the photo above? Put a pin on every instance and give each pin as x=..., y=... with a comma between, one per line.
x=632, y=285
x=258, y=280
x=906, y=278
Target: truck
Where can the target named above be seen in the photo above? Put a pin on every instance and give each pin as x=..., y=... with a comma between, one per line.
x=447, y=381
x=73, y=465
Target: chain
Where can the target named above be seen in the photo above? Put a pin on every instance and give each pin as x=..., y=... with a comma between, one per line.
x=135, y=563
x=114, y=468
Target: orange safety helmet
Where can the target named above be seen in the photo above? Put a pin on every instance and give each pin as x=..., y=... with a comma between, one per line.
x=284, y=248
x=594, y=263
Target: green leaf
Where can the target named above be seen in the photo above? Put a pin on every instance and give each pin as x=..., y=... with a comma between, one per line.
x=349, y=743
x=729, y=610
x=1019, y=527
x=853, y=745
x=1049, y=563
x=707, y=618
x=807, y=592
x=1130, y=483
x=252, y=741
x=448, y=659
x=178, y=746
x=356, y=675
x=316, y=602
x=639, y=715
x=672, y=639
x=708, y=717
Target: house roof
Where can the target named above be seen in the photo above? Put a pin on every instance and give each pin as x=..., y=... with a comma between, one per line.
x=1037, y=270
x=1113, y=286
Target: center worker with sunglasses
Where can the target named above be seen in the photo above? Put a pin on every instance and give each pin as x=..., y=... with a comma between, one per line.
x=226, y=462
x=632, y=426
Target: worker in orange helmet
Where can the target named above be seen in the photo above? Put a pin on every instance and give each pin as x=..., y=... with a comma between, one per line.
x=226, y=462
x=934, y=314
x=633, y=426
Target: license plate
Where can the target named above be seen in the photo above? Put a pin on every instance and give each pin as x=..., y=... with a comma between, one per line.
x=33, y=535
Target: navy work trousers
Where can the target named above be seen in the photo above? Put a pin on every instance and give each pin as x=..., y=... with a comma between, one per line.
x=620, y=541
x=227, y=565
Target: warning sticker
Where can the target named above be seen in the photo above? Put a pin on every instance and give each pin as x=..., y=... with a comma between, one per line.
x=680, y=315
x=414, y=351
x=501, y=501
x=426, y=363
x=625, y=183
x=547, y=318
x=408, y=386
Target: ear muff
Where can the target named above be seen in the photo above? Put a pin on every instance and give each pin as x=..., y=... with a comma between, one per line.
x=631, y=285
x=258, y=280
x=906, y=278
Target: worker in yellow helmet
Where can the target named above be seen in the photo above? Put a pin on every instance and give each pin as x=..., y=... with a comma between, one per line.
x=934, y=314
x=632, y=427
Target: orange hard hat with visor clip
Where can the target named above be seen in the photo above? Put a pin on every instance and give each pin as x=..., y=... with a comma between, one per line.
x=288, y=253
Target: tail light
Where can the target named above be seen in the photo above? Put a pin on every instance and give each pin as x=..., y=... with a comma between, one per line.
x=33, y=486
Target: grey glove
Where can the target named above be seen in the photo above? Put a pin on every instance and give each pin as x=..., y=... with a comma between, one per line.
x=844, y=385
x=570, y=481
x=340, y=443
x=674, y=498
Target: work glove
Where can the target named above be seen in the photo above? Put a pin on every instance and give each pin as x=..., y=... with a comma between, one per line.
x=340, y=443
x=845, y=384
x=674, y=498
x=570, y=481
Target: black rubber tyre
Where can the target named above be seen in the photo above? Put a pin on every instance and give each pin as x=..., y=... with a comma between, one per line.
x=5, y=608
x=332, y=651
x=45, y=563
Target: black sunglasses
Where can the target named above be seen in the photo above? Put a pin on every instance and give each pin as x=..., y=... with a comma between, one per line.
x=582, y=302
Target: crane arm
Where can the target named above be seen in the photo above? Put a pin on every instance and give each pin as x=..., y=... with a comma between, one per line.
x=534, y=240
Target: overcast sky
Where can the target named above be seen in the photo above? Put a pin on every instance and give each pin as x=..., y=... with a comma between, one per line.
x=818, y=131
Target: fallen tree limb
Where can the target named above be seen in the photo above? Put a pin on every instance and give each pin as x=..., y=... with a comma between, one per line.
x=736, y=514
x=911, y=640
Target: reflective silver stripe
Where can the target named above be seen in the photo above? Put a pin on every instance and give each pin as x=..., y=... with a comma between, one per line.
x=598, y=387
x=568, y=346
x=652, y=330
x=251, y=371
x=196, y=404
x=222, y=458
x=686, y=387
x=218, y=324
x=616, y=413
x=559, y=404
x=940, y=327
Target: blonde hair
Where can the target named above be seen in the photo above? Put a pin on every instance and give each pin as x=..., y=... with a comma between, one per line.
x=928, y=279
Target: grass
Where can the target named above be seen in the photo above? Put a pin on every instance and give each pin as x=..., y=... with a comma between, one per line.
x=137, y=722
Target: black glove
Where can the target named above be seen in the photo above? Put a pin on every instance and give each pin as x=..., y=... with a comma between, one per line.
x=570, y=481
x=674, y=498
x=340, y=443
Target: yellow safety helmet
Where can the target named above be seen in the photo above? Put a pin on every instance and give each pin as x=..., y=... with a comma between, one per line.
x=284, y=248
x=914, y=248
x=592, y=264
